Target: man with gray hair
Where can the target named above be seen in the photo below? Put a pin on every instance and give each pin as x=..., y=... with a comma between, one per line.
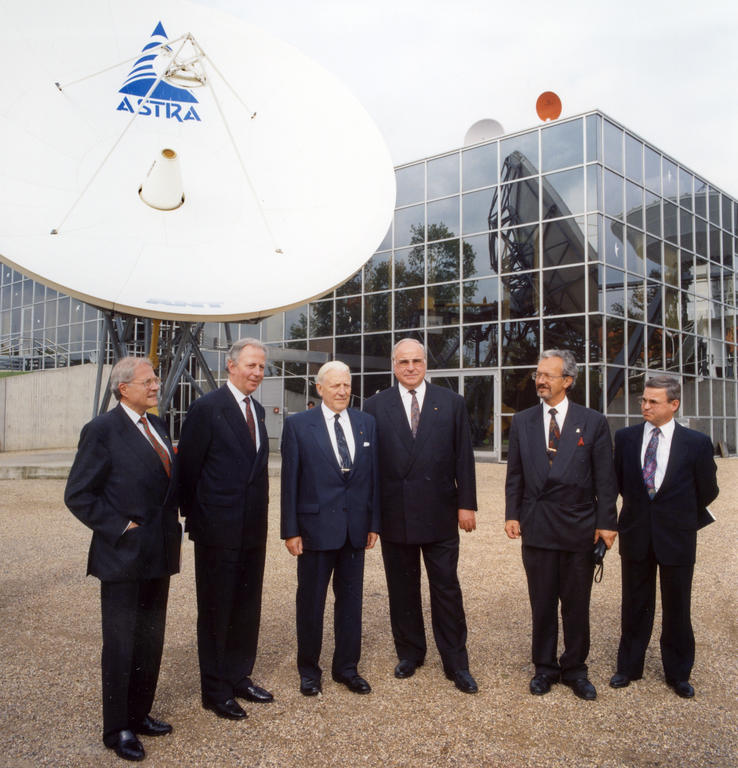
x=223, y=458
x=330, y=515
x=560, y=498
x=667, y=476
x=122, y=485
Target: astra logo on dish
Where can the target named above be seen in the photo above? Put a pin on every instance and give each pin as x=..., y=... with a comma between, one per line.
x=166, y=101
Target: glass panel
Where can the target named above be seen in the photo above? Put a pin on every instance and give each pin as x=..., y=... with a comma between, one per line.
x=479, y=166
x=376, y=383
x=633, y=158
x=519, y=295
x=519, y=202
x=480, y=210
x=443, y=261
x=443, y=304
x=295, y=323
x=386, y=243
x=443, y=218
x=700, y=236
x=635, y=351
x=613, y=147
x=652, y=164
x=595, y=341
x=377, y=352
x=561, y=145
x=594, y=188
x=409, y=308
x=670, y=222
x=518, y=248
x=715, y=237
x=713, y=203
x=410, y=184
x=321, y=318
x=480, y=346
x=377, y=312
x=519, y=156
x=566, y=333
x=685, y=189
x=348, y=315
x=352, y=285
x=563, y=292
x=653, y=214
x=615, y=393
x=409, y=267
x=348, y=350
x=614, y=245
x=409, y=226
x=479, y=392
x=594, y=128
x=613, y=194
x=634, y=204
x=563, y=242
x=654, y=305
x=520, y=343
x=671, y=264
x=614, y=291
x=518, y=392
x=443, y=348
x=480, y=300
x=669, y=178
x=700, y=198
x=563, y=193
x=634, y=297
x=443, y=176
x=378, y=272
x=634, y=250
x=477, y=256
x=686, y=226
x=653, y=257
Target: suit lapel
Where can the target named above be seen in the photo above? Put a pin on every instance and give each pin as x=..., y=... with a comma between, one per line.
x=398, y=419
x=319, y=428
x=571, y=432
x=537, y=445
x=677, y=445
x=234, y=418
x=139, y=443
x=357, y=428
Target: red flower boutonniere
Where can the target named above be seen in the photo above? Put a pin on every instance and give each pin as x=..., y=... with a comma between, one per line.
x=581, y=441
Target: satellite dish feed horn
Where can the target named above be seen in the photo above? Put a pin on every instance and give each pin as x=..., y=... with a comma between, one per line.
x=162, y=187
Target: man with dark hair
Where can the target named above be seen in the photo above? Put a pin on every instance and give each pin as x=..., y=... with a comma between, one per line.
x=223, y=453
x=122, y=485
x=560, y=497
x=428, y=493
x=667, y=476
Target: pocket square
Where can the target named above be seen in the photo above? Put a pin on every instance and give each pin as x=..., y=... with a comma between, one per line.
x=366, y=445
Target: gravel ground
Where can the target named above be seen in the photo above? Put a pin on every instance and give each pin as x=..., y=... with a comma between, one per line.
x=50, y=680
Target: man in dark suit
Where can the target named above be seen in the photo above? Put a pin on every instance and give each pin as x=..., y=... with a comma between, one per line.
x=667, y=477
x=223, y=456
x=428, y=492
x=560, y=497
x=330, y=515
x=122, y=486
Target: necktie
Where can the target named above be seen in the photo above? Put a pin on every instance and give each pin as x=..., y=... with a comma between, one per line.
x=414, y=413
x=250, y=420
x=553, y=436
x=343, y=449
x=156, y=445
x=649, y=462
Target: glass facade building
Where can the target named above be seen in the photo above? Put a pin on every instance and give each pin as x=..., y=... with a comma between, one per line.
x=574, y=234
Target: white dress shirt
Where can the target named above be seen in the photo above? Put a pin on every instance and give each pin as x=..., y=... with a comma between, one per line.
x=241, y=400
x=561, y=411
x=407, y=399
x=345, y=423
x=662, y=451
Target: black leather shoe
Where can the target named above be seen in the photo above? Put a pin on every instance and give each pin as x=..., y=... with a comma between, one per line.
x=619, y=681
x=463, y=680
x=541, y=684
x=682, y=688
x=355, y=683
x=229, y=709
x=126, y=745
x=582, y=688
x=247, y=690
x=309, y=687
x=406, y=668
x=150, y=726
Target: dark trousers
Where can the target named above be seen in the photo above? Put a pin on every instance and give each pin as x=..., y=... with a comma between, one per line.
x=402, y=568
x=558, y=576
x=133, y=619
x=228, y=584
x=314, y=569
x=637, y=613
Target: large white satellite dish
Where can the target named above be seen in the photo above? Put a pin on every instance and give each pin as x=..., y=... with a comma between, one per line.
x=287, y=186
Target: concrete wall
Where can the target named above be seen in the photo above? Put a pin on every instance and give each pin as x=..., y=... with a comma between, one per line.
x=46, y=409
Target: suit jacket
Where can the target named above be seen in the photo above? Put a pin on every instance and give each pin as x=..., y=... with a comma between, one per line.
x=426, y=480
x=670, y=520
x=116, y=477
x=560, y=506
x=224, y=483
x=320, y=502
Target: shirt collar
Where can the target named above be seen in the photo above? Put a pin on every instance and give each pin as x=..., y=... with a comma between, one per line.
x=236, y=392
x=667, y=430
x=132, y=415
x=330, y=415
x=419, y=390
x=561, y=409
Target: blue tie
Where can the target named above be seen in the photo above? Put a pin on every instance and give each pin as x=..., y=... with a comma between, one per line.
x=343, y=449
x=649, y=462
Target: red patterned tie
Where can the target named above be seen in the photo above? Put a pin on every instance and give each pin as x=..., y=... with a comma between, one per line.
x=414, y=413
x=250, y=420
x=554, y=435
x=157, y=446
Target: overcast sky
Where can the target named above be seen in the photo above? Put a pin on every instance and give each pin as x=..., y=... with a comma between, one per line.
x=427, y=69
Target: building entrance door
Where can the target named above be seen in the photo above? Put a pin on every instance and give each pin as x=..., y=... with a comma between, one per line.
x=480, y=391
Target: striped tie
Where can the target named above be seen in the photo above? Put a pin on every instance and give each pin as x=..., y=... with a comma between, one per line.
x=157, y=446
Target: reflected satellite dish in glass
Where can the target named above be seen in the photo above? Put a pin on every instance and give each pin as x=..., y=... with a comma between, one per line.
x=548, y=106
x=166, y=160
x=483, y=130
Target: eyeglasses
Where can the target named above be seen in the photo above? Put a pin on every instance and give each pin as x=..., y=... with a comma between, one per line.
x=407, y=363
x=148, y=383
x=545, y=376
